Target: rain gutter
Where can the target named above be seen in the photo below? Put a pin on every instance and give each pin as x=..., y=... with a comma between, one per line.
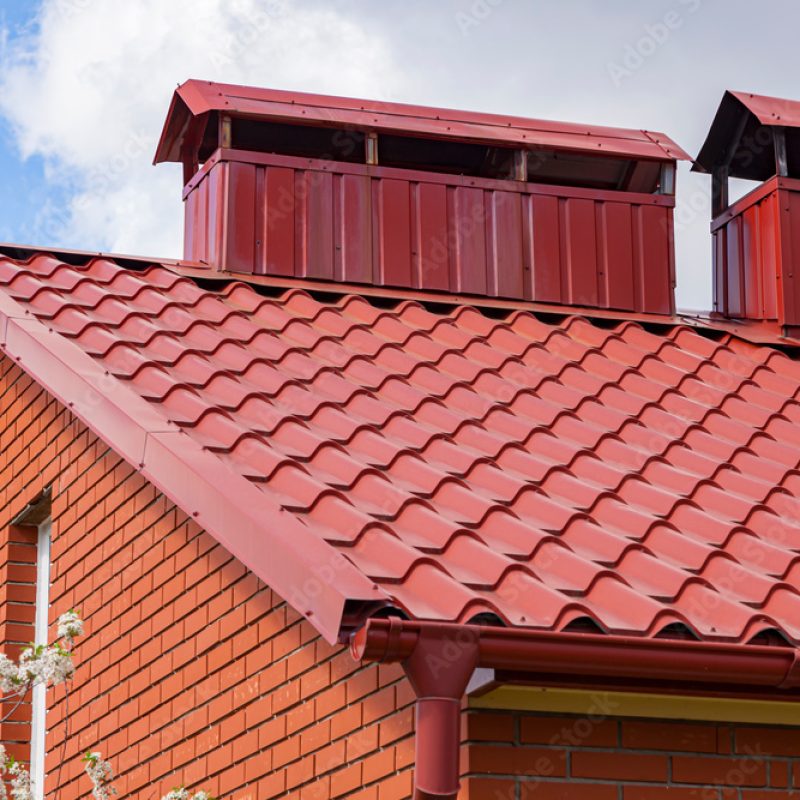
x=440, y=658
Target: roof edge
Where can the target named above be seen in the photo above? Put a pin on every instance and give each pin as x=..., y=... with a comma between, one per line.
x=195, y=97
x=305, y=571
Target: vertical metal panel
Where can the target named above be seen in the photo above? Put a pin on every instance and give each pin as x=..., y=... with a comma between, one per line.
x=655, y=278
x=467, y=230
x=749, y=272
x=768, y=255
x=433, y=253
x=547, y=261
x=720, y=303
x=616, y=257
x=282, y=217
x=318, y=193
x=200, y=221
x=752, y=266
x=789, y=209
x=394, y=224
x=194, y=228
x=240, y=235
x=354, y=229
x=581, y=253
x=527, y=245
x=279, y=221
x=259, y=257
x=215, y=183
x=505, y=244
x=734, y=304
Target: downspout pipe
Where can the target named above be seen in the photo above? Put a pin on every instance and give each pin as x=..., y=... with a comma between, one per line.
x=439, y=659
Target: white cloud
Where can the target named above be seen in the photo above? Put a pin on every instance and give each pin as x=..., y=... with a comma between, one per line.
x=89, y=87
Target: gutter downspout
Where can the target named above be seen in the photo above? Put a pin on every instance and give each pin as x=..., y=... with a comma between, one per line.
x=439, y=659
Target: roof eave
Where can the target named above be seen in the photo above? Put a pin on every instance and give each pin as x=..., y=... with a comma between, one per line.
x=314, y=578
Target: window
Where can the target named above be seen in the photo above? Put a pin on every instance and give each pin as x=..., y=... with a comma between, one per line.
x=25, y=547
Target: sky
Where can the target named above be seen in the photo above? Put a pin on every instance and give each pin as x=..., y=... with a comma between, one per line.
x=85, y=86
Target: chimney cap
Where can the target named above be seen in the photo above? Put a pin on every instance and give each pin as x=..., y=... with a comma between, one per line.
x=195, y=99
x=740, y=137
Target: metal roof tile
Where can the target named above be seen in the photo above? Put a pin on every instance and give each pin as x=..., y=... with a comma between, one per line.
x=548, y=473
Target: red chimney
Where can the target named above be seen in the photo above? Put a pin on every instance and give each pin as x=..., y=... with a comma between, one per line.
x=757, y=238
x=280, y=183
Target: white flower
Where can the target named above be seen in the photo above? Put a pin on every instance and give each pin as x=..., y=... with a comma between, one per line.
x=3, y=795
x=20, y=782
x=180, y=793
x=48, y=665
x=70, y=626
x=10, y=679
x=177, y=794
x=100, y=774
x=31, y=664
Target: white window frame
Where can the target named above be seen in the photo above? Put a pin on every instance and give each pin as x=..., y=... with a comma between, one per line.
x=39, y=699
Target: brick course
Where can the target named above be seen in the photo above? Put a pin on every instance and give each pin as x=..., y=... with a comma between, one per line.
x=193, y=672
x=546, y=756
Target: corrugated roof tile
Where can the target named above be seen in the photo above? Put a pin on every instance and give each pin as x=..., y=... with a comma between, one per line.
x=549, y=473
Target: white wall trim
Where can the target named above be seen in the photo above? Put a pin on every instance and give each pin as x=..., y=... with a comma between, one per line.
x=39, y=704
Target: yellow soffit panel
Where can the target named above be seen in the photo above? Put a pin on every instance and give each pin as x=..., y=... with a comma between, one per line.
x=599, y=703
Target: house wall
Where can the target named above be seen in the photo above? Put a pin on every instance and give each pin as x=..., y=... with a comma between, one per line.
x=519, y=756
x=193, y=672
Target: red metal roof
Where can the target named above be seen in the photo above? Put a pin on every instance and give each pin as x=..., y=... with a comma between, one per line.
x=447, y=461
x=771, y=111
x=195, y=98
x=737, y=137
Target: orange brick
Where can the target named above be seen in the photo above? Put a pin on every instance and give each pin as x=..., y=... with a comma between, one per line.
x=668, y=793
x=669, y=736
x=396, y=788
x=566, y=791
x=486, y=727
x=487, y=789
x=510, y=760
x=568, y=731
x=725, y=771
x=766, y=741
x=625, y=766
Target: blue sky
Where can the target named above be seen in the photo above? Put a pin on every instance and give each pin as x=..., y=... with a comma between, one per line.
x=85, y=84
x=23, y=187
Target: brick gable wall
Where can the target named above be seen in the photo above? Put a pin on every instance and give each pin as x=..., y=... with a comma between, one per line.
x=194, y=672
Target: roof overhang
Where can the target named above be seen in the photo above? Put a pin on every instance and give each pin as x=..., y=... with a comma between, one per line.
x=195, y=99
x=741, y=136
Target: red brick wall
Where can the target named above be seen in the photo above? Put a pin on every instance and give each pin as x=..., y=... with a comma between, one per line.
x=193, y=672
x=17, y=614
x=595, y=757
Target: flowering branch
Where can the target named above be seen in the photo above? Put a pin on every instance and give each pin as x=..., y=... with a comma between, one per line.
x=182, y=794
x=52, y=665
